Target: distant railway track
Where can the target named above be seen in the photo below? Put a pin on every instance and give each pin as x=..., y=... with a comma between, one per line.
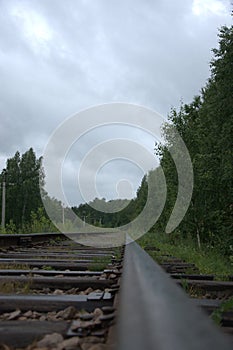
x=55, y=293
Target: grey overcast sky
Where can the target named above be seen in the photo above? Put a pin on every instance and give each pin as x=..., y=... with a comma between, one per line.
x=59, y=57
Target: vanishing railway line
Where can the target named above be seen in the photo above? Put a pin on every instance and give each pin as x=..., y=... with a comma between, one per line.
x=58, y=294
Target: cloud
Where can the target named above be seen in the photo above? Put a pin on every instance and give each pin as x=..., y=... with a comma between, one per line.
x=210, y=7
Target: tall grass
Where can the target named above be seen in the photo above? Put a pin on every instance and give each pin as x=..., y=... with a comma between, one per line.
x=208, y=260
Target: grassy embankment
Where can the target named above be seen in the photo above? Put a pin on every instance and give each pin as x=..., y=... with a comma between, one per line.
x=208, y=260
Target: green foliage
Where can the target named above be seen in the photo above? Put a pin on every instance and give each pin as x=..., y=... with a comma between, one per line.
x=47, y=268
x=9, y=229
x=225, y=306
x=24, y=207
x=100, y=263
x=208, y=260
x=184, y=285
x=15, y=287
x=109, y=215
x=39, y=223
x=206, y=126
x=22, y=176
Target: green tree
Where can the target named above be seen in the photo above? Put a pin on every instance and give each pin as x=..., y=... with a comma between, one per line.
x=22, y=175
x=206, y=126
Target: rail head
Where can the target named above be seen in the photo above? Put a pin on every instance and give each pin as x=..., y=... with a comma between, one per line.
x=154, y=313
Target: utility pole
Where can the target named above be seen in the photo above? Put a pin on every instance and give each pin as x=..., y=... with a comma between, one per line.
x=3, y=200
x=63, y=215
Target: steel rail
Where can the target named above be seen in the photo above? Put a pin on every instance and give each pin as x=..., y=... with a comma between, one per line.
x=7, y=240
x=154, y=313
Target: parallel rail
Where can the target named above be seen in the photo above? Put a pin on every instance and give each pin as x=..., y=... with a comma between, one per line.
x=7, y=240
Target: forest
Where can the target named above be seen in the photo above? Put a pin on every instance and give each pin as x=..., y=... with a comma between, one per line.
x=206, y=126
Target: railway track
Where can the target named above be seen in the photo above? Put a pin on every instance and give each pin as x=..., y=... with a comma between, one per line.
x=58, y=294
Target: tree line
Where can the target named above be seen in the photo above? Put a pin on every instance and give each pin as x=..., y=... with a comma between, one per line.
x=206, y=126
x=24, y=211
